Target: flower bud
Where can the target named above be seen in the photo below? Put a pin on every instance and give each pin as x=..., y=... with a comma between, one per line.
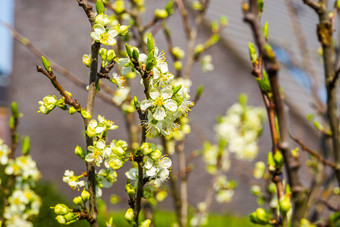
x=148, y=192
x=46, y=64
x=278, y=159
x=130, y=190
x=145, y=223
x=87, y=60
x=178, y=52
x=79, y=151
x=85, y=195
x=285, y=204
x=70, y=217
x=161, y=13
x=262, y=215
x=72, y=110
x=271, y=162
x=60, y=219
x=78, y=200
x=178, y=65
x=103, y=53
x=61, y=209
x=129, y=215
x=110, y=55
x=85, y=114
x=155, y=155
x=135, y=54
x=123, y=30
x=199, y=49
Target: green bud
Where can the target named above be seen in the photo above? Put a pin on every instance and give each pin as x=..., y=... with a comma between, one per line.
x=161, y=13
x=78, y=200
x=114, y=199
x=178, y=52
x=110, y=55
x=199, y=49
x=255, y=190
x=85, y=114
x=269, y=51
x=252, y=53
x=271, y=162
x=262, y=216
x=260, y=5
x=136, y=102
x=155, y=155
x=119, y=6
x=15, y=110
x=128, y=50
x=46, y=64
x=87, y=60
x=85, y=195
x=285, y=205
x=103, y=53
x=199, y=90
x=79, y=151
x=61, y=209
x=123, y=30
x=70, y=217
x=72, y=110
x=129, y=215
x=278, y=159
x=130, y=190
x=265, y=30
x=100, y=7
x=178, y=65
x=223, y=21
x=26, y=145
x=148, y=192
x=272, y=188
x=318, y=125
x=145, y=223
x=196, y=5
x=60, y=219
x=242, y=98
x=135, y=54
x=176, y=90
x=150, y=43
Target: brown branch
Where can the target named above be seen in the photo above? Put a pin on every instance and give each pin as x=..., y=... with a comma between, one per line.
x=184, y=15
x=61, y=90
x=314, y=5
x=315, y=154
x=251, y=16
x=88, y=10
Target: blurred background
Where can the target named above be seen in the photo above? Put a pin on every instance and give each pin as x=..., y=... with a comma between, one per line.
x=61, y=31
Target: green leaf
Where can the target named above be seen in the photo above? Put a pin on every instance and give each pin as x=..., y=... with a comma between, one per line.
x=26, y=145
x=263, y=85
x=150, y=43
x=135, y=55
x=15, y=110
x=169, y=7
x=100, y=7
x=176, y=90
x=265, y=30
x=46, y=64
x=128, y=50
x=252, y=53
x=199, y=90
x=260, y=5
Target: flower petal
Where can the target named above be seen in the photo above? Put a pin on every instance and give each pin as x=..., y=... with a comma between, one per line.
x=166, y=93
x=145, y=104
x=170, y=104
x=154, y=93
x=159, y=113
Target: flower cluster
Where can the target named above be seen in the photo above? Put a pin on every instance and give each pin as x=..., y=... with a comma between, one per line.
x=72, y=180
x=100, y=127
x=23, y=204
x=48, y=104
x=211, y=154
x=155, y=166
x=224, y=189
x=167, y=99
x=240, y=129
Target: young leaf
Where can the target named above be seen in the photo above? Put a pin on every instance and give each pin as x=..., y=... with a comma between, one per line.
x=150, y=43
x=100, y=7
x=46, y=64
x=265, y=30
x=26, y=145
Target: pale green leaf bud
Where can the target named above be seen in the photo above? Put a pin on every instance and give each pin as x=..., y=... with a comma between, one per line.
x=136, y=102
x=85, y=195
x=79, y=151
x=129, y=215
x=87, y=60
x=46, y=64
x=145, y=223
x=262, y=216
x=85, y=114
x=278, y=159
x=265, y=30
x=119, y=6
x=161, y=13
x=252, y=53
x=15, y=110
x=269, y=51
x=150, y=42
x=271, y=162
x=128, y=50
x=78, y=200
x=11, y=121
x=135, y=54
x=26, y=145
x=272, y=188
x=100, y=7
x=223, y=21
x=242, y=98
x=103, y=53
x=256, y=190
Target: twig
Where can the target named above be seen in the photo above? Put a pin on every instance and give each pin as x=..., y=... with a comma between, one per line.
x=61, y=90
x=314, y=5
x=314, y=153
x=184, y=15
x=88, y=10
